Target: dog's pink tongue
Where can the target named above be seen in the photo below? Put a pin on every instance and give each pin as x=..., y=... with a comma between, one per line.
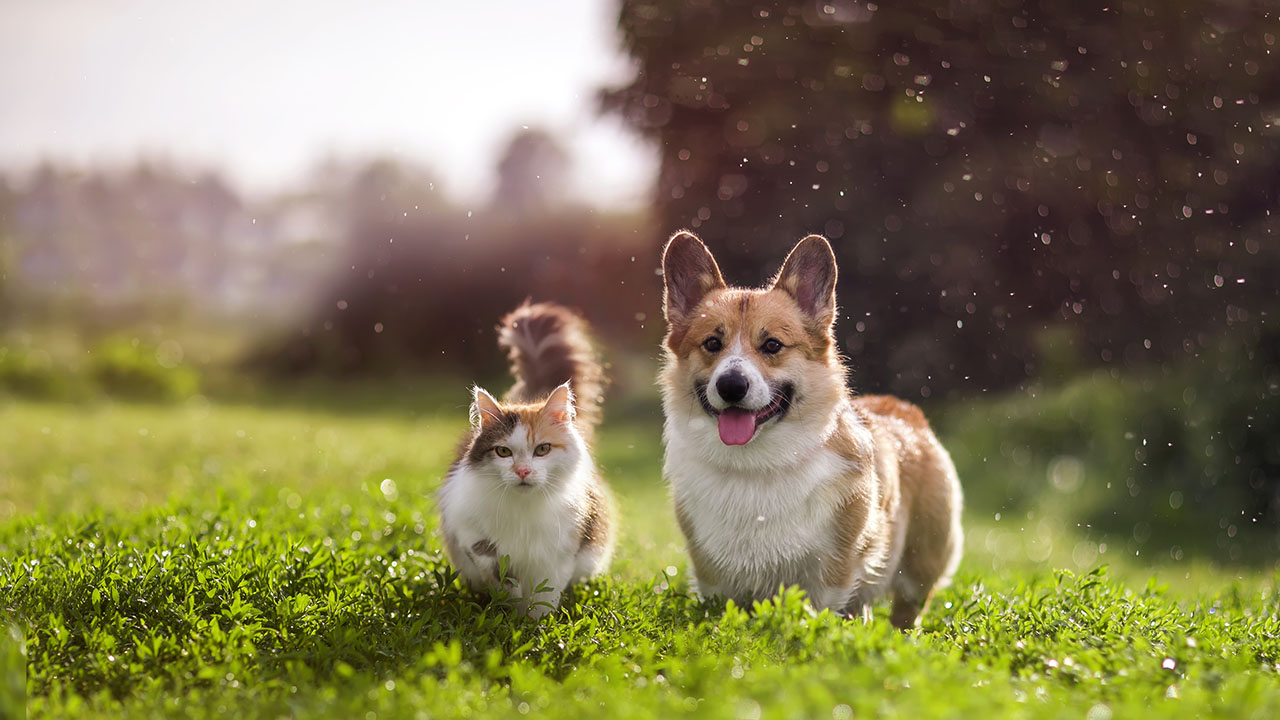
x=737, y=426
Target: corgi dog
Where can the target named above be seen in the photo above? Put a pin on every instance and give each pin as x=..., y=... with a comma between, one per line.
x=524, y=489
x=778, y=474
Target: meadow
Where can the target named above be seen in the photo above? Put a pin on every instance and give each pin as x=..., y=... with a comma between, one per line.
x=276, y=556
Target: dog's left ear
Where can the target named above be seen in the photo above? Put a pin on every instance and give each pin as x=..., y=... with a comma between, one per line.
x=809, y=276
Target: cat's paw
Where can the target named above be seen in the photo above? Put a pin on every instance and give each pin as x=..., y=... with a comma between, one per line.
x=540, y=607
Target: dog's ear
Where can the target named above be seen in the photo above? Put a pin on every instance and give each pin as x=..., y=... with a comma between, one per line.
x=809, y=276
x=689, y=273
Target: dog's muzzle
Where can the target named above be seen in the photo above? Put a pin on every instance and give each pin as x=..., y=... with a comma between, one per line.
x=738, y=425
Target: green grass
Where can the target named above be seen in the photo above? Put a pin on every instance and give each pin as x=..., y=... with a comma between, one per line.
x=246, y=560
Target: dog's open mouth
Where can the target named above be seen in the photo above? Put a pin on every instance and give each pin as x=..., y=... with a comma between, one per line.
x=738, y=425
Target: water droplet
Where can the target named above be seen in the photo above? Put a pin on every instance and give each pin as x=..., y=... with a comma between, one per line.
x=388, y=487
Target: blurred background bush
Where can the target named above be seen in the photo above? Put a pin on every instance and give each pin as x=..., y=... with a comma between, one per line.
x=1055, y=220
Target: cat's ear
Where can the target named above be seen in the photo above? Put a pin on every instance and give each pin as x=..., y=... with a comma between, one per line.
x=485, y=411
x=559, y=405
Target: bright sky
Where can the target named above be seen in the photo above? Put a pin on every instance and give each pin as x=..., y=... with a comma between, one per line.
x=263, y=88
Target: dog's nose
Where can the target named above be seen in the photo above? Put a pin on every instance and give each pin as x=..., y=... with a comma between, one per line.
x=732, y=386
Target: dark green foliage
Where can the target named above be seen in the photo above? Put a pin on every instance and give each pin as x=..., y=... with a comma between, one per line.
x=1182, y=460
x=984, y=168
x=13, y=669
x=117, y=367
x=127, y=367
x=30, y=372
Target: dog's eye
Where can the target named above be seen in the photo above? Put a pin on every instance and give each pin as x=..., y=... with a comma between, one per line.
x=542, y=449
x=502, y=451
x=772, y=346
x=711, y=344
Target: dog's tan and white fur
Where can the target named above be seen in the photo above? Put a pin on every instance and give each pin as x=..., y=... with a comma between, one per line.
x=780, y=476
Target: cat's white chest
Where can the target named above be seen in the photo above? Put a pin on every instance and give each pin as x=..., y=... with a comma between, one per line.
x=536, y=530
x=524, y=524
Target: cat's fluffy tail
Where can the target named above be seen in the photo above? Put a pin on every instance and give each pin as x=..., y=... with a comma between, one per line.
x=549, y=344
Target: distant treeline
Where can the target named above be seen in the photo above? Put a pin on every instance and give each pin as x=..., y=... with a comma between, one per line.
x=104, y=248
x=425, y=294
x=367, y=267
x=419, y=282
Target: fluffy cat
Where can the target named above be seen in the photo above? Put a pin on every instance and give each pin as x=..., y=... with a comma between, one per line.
x=525, y=486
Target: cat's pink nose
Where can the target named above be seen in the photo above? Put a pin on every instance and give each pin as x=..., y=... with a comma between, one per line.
x=523, y=472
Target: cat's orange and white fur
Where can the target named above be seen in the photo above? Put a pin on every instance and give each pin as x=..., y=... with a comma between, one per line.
x=525, y=486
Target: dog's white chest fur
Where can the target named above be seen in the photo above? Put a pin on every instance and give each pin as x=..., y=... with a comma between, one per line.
x=760, y=528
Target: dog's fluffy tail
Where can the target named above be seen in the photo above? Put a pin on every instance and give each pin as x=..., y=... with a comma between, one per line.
x=548, y=345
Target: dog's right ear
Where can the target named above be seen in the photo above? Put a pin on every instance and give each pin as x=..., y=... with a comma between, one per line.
x=809, y=276
x=689, y=273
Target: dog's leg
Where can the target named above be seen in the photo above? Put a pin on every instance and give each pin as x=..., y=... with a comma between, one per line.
x=858, y=609
x=857, y=601
x=706, y=580
x=929, y=559
x=827, y=597
x=934, y=539
x=906, y=613
x=707, y=590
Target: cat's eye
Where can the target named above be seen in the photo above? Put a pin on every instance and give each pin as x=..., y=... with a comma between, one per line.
x=542, y=449
x=502, y=451
x=712, y=344
x=772, y=346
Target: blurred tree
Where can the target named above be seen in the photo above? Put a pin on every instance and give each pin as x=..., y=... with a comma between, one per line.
x=385, y=191
x=8, y=251
x=532, y=173
x=212, y=210
x=985, y=168
x=422, y=281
